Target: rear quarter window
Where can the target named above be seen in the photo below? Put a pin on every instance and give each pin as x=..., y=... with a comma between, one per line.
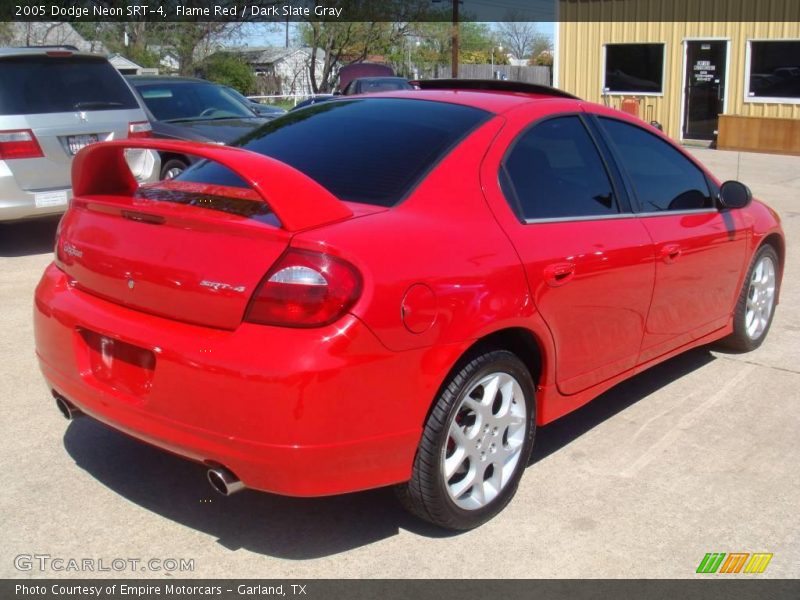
x=43, y=84
x=370, y=150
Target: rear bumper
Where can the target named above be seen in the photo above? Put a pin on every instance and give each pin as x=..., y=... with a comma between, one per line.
x=296, y=412
x=17, y=204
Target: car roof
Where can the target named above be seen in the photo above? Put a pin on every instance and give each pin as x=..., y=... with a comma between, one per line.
x=380, y=78
x=496, y=102
x=46, y=50
x=144, y=79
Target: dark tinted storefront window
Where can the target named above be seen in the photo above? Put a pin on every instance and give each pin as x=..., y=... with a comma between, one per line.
x=634, y=68
x=775, y=69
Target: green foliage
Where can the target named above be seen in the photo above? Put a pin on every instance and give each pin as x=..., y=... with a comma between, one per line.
x=228, y=69
x=543, y=59
x=142, y=56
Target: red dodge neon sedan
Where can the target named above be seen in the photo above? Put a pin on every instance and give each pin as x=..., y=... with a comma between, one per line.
x=394, y=289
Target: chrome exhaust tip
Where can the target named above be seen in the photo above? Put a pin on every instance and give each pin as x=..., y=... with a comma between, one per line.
x=224, y=481
x=69, y=410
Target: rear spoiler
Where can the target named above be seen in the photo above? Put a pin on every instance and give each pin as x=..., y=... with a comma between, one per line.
x=491, y=85
x=298, y=201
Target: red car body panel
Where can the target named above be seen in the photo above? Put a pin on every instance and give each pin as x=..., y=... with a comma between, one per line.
x=341, y=407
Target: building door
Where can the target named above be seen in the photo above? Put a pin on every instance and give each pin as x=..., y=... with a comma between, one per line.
x=704, y=88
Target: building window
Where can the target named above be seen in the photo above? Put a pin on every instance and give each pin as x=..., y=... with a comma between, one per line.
x=634, y=69
x=773, y=71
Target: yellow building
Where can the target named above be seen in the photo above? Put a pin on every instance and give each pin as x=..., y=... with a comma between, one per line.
x=684, y=75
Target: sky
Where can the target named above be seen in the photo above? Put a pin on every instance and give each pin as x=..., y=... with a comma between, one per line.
x=259, y=34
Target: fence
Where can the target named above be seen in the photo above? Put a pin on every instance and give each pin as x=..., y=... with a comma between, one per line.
x=540, y=75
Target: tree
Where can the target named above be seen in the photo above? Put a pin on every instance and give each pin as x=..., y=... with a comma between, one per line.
x=337, y=43
x=190, y=41
x=522, y=39
x=228, y=69
x=476, y=41
x=374, y=27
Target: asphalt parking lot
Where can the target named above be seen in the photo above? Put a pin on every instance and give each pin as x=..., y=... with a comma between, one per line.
x=698, y=455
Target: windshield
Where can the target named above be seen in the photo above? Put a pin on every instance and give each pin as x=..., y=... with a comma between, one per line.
x=43, y=84
x=181, y=101
x=370, y=150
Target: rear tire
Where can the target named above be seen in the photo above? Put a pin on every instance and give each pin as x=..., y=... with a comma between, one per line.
x=755, y=307
x=173, y=168
x=476, y=444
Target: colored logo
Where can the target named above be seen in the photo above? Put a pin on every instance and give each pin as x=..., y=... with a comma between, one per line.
x=734, y=562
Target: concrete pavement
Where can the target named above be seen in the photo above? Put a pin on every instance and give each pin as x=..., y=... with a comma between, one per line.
x=698, y=455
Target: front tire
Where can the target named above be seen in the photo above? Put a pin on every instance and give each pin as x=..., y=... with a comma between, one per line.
x=475, y=445
x=755, y=307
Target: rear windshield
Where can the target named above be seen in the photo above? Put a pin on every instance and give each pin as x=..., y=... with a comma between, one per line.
x=369, y=150
x=42, y=84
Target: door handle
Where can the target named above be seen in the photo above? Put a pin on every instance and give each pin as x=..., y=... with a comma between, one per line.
x=670, y=253
x=559, y=273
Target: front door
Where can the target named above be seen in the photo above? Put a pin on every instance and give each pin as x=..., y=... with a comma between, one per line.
x=704, y=88
x=699, y=250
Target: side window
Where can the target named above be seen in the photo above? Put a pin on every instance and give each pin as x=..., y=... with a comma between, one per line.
x=664, y=178
x=554, y=171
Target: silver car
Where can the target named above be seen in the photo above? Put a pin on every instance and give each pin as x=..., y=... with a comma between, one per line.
x=53, y=102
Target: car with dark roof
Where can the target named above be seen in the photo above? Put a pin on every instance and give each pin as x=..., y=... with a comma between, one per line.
x=396, y=289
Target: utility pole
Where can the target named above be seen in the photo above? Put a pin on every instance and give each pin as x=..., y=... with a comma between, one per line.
x=455, y=40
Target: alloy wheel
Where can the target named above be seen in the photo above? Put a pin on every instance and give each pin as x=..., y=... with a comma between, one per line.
x=485, y=441
x=760, y=298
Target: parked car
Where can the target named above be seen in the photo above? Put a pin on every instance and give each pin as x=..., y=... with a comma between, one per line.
x=361, y=78
x=185, y=108
x=361, y=70
x=367, y=85
x=396, y=289
x=313, y=100
x=373, y=85
x=54, y=101
x=262, y=110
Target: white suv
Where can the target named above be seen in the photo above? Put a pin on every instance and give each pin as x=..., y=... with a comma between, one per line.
x=53, y=102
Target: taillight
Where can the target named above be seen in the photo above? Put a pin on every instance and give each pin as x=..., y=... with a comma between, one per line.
x=305, y=289
x=19, y=143
x=139, y=129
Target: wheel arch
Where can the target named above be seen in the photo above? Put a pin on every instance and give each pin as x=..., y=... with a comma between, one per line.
x=521, y=341
x=776, y=240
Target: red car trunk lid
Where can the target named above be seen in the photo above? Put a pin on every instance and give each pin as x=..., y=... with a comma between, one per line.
x=186, y=251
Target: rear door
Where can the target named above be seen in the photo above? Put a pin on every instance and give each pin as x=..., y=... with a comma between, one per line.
x=589, y=262
x=699, y=249
x=67, y=101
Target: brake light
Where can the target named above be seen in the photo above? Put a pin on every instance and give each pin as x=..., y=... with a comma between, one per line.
x=19, y=143
x=139, y=129
x=305, y=289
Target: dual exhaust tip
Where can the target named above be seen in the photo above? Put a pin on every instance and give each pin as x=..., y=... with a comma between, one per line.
x=221, y=479
x=224, y=481
x=69, y=410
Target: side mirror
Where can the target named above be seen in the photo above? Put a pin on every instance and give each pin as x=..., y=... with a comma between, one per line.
x=734, y=194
